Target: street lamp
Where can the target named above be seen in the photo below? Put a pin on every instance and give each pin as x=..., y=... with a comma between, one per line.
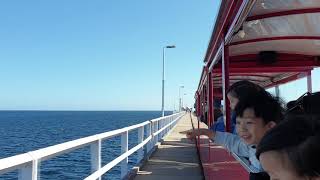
x=180, y=97
x=163, y=61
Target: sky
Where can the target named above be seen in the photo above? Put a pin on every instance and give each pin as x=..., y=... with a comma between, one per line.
x=104, y=55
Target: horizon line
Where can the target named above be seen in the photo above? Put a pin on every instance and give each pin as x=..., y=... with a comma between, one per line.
x=72, y=110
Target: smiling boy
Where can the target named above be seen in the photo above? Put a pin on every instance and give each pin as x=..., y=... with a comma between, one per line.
x=255, y=116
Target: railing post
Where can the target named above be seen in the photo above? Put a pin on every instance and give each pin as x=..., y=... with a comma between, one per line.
x=171, y=119
x=157, y=128
x=140, y=139
x=95, y=150
x=154, y=129
x=150, y=134
x=152, y=138
x=124, y=149
x=160, y=126
x=168, y=127
x=29, y=172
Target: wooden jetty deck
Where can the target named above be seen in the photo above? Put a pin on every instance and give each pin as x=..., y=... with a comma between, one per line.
x=176, y=157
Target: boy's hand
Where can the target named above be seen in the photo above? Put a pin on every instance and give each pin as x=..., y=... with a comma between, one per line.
x=191, y=134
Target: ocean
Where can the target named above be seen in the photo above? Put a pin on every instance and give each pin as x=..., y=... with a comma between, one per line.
x=23, y=131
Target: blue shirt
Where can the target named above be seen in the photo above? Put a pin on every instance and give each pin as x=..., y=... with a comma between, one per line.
x=233, y=122
x=234, y=144
x=218, y=125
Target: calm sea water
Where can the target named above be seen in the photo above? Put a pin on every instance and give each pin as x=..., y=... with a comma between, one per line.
x=23, y=131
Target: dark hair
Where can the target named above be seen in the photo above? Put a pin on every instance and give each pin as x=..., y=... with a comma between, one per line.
x=291, y=104
x=299, y=138
x=308, y=103
x=264, y=104
x=243, y=89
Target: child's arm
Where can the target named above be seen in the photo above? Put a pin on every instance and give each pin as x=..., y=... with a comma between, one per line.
x=191, y=134
x=232, y=143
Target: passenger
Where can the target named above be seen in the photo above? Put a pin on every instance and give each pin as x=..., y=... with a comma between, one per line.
x=255, y=116
x=217, y=109
x=290, y=151
x=237, y=92
x=218, y=117
x=240, y=91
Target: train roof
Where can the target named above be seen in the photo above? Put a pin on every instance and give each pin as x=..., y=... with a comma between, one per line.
x=269, y=42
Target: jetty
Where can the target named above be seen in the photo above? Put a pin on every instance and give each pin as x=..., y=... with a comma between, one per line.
x=162, y=153
x=175, y=158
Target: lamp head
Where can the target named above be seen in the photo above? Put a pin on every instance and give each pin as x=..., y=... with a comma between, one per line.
x=173, y=46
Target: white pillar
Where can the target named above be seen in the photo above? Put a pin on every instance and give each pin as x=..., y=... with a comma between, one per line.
x=140, y=139
x=124, y=149
x=95, y=149
x=149, y=132
x=29, y=171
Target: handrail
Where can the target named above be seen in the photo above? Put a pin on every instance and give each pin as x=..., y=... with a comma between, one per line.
x=159, y=118
x=28, y=162
x=110, y=165
x=243, y=162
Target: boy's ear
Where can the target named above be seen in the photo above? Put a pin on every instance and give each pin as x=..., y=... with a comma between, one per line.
x=271, y=124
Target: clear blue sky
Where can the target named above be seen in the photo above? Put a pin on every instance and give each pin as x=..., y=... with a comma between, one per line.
x=101, y=55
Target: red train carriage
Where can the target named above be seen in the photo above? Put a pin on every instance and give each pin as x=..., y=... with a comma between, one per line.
x=268, y=42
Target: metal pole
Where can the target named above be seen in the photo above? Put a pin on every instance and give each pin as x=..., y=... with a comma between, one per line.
x=225, y=81
x=163, y=54
x=182, y=101
x=163, y=75
x=179, y=99
x=210, y=101
x=309, y=82
x=198, y=104
x=277, y=90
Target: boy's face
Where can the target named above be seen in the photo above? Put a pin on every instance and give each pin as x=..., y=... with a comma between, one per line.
x=251, y=128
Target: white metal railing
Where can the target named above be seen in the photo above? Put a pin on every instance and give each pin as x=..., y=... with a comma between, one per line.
x=244, y=162
x=28, y=163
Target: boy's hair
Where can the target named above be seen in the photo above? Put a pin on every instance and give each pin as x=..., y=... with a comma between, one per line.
x=243, y=89
x=298, y=137
x=265, y=106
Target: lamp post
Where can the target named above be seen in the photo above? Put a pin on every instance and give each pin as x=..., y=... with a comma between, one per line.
x=163, y=62
x=180, y=97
